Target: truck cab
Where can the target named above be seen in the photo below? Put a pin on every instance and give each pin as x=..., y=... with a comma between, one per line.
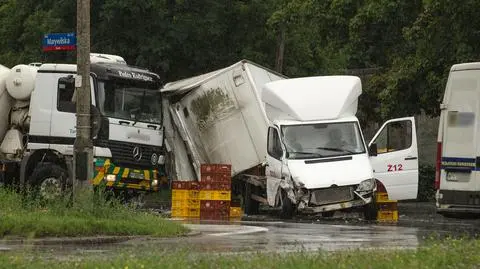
x=317, y=158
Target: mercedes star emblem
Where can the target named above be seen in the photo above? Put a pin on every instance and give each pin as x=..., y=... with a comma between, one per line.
x=154, y=158
x=137, y=154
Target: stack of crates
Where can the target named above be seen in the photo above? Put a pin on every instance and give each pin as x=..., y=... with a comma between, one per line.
x=185, y=199
x=215, y=191
x=387, y=209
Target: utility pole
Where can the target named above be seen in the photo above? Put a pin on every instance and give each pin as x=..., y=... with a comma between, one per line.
x=83, y=148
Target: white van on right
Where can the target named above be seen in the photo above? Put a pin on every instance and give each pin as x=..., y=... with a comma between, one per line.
x=457, y=178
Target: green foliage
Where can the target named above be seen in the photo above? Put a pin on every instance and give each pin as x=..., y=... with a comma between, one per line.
x=410, y=44
x=89, y=214
x=426, y=189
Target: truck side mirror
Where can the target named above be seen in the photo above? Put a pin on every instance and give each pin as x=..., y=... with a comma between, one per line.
x=372, y=150
x=96, y=121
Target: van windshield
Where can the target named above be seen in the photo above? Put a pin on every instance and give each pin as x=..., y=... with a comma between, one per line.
x=320, y=140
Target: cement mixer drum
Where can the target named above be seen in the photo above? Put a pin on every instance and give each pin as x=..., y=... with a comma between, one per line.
x=21, y=81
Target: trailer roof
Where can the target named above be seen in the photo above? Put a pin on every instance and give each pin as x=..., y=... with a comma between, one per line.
x=185, y=85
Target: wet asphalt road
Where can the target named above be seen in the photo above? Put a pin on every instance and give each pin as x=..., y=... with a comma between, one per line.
x=265, y=233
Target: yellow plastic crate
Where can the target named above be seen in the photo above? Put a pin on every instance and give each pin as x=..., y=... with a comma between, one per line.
x=185, y=212
x=194, y=212
x=186, y=203
x=222, y=195
x=206, y=195
x=184, y=194
x=382, y=197
x=179, y=212
x=235, y=212
x=387, y=215
x=215, y=195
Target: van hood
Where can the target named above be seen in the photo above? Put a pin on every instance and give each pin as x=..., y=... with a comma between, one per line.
x=323, y=173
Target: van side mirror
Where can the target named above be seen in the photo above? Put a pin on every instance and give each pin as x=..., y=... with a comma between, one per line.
x=372, y=150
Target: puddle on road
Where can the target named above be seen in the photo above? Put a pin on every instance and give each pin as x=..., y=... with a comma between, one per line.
x=280, y=237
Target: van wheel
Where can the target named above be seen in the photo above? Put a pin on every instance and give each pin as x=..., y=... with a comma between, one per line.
x=49, y=182
x=370, y=210
x=250, y=206
x=288, y=209
x=328, y=214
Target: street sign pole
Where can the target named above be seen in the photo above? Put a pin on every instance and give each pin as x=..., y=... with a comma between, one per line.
x=83, y=147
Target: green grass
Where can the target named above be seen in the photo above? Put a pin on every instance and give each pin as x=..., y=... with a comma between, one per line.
x=86, y=216
x=442, y=254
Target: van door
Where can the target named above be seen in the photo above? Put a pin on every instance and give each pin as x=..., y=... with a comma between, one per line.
x=273, y=171
x=396, y=160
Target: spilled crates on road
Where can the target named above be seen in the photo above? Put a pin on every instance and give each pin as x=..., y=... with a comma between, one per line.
x=209, y=199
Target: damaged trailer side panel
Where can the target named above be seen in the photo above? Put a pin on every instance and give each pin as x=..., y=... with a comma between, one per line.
x=220, y=118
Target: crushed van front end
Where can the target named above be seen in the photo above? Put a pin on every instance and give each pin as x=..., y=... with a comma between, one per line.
x=336, y=198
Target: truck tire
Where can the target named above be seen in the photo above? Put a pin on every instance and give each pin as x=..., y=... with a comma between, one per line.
x=370, y=210
x=49, y=181
x=328, y=214
x=288, y=208
x=250, y=206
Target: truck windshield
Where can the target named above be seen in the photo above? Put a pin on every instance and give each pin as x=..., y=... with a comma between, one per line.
x=320, y=140
x=130, y=101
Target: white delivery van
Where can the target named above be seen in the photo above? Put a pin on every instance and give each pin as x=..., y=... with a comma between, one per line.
x=457, y=179
x=317, y=158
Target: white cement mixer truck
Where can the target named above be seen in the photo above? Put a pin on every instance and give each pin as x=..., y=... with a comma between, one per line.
x=38, y=126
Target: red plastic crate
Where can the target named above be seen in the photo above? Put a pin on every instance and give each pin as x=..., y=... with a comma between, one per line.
x=214, y=205
x=215, y=186
x=185, y=185
x=180, y=185
x=216, y=169
x=214, y=215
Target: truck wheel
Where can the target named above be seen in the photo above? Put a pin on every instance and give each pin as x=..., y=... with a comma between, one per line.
x=49, y=181
x=287, y=206
x=251, y=206
x=370, y=210
x=328, y=214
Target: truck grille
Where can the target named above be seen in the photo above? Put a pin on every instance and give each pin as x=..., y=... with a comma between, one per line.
x=123, y=153
x=331, y=195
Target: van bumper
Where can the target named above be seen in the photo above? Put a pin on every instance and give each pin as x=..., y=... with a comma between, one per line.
x=338, y=206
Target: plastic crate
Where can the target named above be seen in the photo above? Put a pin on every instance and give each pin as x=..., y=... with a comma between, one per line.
x=215, y=185
x=214, y=214
x=194, y=212
x=216, y=178
x=222, y=195
x=184, y=194
x=186, y=203
x=235, y=212
x=179, y=212
x=387, y=215
x=382, y=197
x=215, y=195
x=214, y=205
x=216, y=169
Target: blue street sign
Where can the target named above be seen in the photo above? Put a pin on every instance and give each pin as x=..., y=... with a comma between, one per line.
x=59, y=41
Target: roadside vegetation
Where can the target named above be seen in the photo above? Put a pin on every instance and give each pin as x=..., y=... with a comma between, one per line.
x=452, y=253
x=88, y=215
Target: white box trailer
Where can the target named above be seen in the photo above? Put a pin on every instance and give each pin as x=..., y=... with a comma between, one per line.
x=217, y=117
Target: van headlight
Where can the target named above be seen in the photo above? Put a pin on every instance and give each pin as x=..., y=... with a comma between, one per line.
x=366, y=185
